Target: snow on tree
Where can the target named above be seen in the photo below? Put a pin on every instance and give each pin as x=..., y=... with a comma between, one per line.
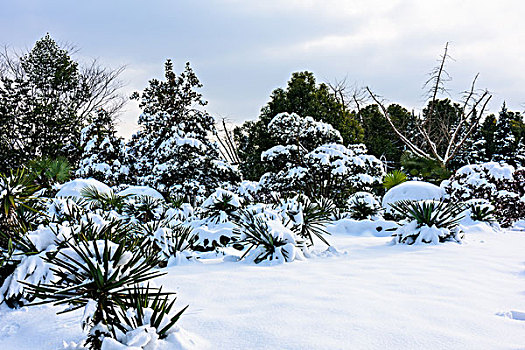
x=309, y=160
x=102, y=151
x=172, y=151
x=504, y=138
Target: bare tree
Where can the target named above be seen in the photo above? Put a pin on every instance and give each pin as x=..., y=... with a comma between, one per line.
x=228, y=148
x=349, y=95
x=451, y=135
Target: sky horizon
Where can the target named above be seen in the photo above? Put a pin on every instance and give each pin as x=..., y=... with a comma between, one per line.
x=242, y=50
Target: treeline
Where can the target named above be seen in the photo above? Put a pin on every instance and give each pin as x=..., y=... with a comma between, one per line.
x=52, y=107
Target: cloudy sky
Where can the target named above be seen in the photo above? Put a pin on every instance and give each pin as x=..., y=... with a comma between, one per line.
x=243, y=49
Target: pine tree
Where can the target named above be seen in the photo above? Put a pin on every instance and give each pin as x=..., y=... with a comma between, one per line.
x=172, y=151
x=505, y=143
x=102, y=151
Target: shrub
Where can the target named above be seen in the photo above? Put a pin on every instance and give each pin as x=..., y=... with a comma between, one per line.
x=428, y=221
x=363, y=206
x=266, y=238
x=394, y=178
x=481, y=210
x=501, y=185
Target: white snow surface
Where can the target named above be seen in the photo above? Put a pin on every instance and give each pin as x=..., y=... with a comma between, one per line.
x=136, y=191
x=378, y=296
x=412, y=190
x=73, y=188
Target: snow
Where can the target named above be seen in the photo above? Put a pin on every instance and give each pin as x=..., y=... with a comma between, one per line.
x=378, y=296
x=136, y=191
x=366, y=228
x=73, y=188
x=412, y=190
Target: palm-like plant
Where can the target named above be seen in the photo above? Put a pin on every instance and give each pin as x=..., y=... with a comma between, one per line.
x=17, y=197
x=316, y=214
x=145, y=208
x=431, y=213
x=394, y=178
x=254, y=232
x=101, y=200
x=97, y=271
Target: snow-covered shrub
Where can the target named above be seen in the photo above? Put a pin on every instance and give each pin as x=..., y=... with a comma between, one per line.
x=481, y=210
x=221, y=206
x=363, y=206
x=501, y=185
x=145, y=208
x=331, y=171
x=103, y=151
x=267, y=238
x=411, y=190
x=307, y=218
x=428, y=221
x=97, y=276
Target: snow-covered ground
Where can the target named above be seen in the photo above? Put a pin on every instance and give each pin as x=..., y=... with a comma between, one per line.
x=374, y=296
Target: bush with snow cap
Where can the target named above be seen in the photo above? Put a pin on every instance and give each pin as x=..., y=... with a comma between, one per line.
x=428, y=221
x=363, y=206
x=411, y=190
x=500, y=184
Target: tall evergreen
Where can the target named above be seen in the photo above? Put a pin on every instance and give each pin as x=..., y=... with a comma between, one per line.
x=505, y=142
x=172, y=151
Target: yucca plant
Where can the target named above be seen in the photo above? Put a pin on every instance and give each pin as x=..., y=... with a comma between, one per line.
x=440, y=216
x=152, y=308
x=17, y=197
x=394, y=178
x=482, y=211
x=101, y=273
x=431, y=213
x=221, y=207
x=363, y=205
x=316, y=214
x=254, y=231
x=101, y=200
x=145, y=208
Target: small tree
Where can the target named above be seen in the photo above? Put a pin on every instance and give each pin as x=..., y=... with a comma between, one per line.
x=440, y=136
x=172, y=151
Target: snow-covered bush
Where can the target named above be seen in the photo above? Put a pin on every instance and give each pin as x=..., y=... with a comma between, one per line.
x=501, y=185
x=411, y=190
x=267, y=238
x=221, y=206
x=331, y=171
x=102, y=277
x=481, y=210
x=428, y=221
x=363, y=206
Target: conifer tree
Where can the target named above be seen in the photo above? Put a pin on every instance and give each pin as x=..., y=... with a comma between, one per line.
x=102, y=151
x=172, y=151
x=504, y=139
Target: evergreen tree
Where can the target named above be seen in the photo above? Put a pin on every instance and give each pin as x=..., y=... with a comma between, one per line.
x=172, y=151
x=304, y=97
x=505, y=142
x=102, y=151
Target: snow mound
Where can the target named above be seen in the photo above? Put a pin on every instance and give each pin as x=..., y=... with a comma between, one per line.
x=136, y=191
x=412, y=190
x=73, y=188
x=367, y=228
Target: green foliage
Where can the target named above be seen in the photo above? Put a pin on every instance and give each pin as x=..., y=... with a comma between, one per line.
x=46, y=171
x=431, y=213
x=363, y=206
x=427, y=169
x=145, y=208
x=304, y=97
x=101, y=272
x=316, y=214
x=254, y=232
x=102, y=200
x=394, y=178
x=482, y=212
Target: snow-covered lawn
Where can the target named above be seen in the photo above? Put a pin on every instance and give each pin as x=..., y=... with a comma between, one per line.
x=376, y=296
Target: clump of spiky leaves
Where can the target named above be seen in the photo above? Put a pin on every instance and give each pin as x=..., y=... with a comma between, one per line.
x=265, y=238
x=18, y=201
x=221, y=206
x=168, y=240
x=145, y=208
x=98, y=274
x=363, y=206
x=428, y=221
x=316, y=214
x=47, y=172
x=482, y=210
x=151, y=309
x=101, y=200
x=394, y=178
